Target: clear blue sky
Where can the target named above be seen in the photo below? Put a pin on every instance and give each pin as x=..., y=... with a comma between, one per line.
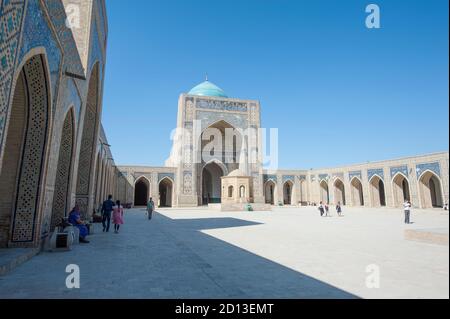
x=338, y=92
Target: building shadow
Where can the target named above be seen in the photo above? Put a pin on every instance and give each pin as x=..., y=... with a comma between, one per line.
x=243, y=274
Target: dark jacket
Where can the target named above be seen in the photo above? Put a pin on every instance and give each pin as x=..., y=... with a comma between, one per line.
x=107, y=206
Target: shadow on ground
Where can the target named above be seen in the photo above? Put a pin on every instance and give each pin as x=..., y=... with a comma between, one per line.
x=239, y=272
x=164, y=258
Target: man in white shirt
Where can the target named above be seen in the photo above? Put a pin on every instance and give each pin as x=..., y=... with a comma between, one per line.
x=407, y=209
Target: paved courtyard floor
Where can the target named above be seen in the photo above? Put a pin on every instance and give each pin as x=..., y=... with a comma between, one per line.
x=286, y=253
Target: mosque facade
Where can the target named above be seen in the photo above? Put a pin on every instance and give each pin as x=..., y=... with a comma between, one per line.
x=195, y=172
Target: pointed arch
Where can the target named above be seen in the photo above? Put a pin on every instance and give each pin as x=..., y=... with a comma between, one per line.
x=288, y=187
x=430, y=190
x=227, y=153
x=270, y=191
x=141, y=191
x=357, y=191
x=339, y=192
x=25, y=156
x=400, y=189
x=324, y=192
x=166, y=192
x=377, y=191
x=211, y=183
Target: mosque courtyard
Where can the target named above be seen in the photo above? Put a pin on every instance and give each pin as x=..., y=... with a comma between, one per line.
x=286, y=253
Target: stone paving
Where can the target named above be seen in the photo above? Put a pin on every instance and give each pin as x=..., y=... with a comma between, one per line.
x=287, y=253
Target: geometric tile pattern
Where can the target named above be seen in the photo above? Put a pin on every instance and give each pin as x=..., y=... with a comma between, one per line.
x=11, y=17
x=63, y=172
x=288, y=178
x=25, y=215
x=399, y=169
x=355, y=174
x=372, y=172
x=161, y=176
x=270, y=177
x=434, y=167
x=187, y=183
x=88, y=138
x=37, y=33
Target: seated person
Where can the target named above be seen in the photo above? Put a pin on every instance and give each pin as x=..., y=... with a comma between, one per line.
x=75, y=220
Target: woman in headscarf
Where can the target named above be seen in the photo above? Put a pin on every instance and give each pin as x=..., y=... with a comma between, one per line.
x=75, y=220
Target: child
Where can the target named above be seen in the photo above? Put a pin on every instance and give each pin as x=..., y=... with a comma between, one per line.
x=117, y=216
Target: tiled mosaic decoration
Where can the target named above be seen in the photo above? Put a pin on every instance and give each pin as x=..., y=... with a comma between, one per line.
x=25, y=215
x=434, y=167
x=11, y=18
x=399, y=169
x=372, y=172
x=355, y=174
x=63, y=172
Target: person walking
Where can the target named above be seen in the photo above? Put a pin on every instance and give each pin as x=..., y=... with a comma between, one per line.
x=117, y=216
x=150, y=208
x=107, y=209
x=321, y=209
x=339, y=209
x=327, y=210
x=407, y=210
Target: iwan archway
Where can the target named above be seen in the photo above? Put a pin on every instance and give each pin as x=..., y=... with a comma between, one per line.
x=400, y=189
x=339, y=192
x=166, y=192
x=141, y=191
x=430, y=190
x=377, y=192
x=287, y=192
x=211, y=183
x=22, y=175
x=270, y=192
x=357, y=192
x=324, y=192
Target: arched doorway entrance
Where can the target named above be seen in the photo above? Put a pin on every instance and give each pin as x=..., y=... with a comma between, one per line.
x=88, y=144
x=324, y=192
x=22, y=172
x=212, y=183
x=339, y=192
x=63, y=173
x=377, y=193
x=141, y=192
x=287, y=192
x=400, y=188
x=269, y=192
x=430, y=190
x=165, y=192
x=357, y=192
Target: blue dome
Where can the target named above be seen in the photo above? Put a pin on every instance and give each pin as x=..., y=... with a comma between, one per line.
x=207, y=89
